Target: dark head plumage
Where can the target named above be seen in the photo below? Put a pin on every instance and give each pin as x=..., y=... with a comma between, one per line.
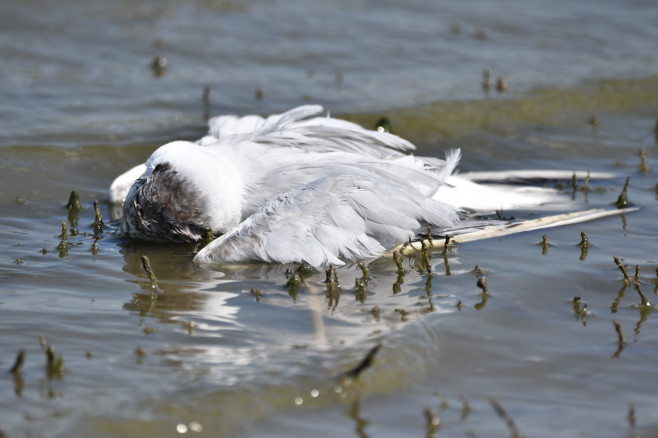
x=165, y=206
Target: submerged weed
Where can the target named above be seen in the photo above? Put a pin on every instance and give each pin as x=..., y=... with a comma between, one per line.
x=622, y=200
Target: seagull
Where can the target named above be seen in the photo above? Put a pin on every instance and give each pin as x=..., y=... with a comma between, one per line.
x=304, y=187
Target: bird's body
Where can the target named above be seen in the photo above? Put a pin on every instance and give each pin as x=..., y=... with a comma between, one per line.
x=293, y=188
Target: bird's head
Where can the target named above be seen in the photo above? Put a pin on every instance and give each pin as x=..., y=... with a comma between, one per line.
x=165, y=206
x=180, y=196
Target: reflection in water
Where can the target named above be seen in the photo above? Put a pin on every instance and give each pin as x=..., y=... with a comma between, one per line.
x=355, y=415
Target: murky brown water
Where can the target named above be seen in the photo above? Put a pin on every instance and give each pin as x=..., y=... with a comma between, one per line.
x=233, y=351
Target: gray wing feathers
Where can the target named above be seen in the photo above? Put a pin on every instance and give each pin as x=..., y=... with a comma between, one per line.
x=356, y=218
x=295, y=129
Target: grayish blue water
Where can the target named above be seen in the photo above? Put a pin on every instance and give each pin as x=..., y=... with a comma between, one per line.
x=209, y=356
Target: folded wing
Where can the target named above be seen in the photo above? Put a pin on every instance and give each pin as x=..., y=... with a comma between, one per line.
x=334, y=218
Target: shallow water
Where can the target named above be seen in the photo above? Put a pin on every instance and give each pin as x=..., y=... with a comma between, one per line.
x=208, y=355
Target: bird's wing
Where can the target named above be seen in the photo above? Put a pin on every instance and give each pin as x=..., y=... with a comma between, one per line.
x=298, y=128
x=333, y=218
x=406, y=173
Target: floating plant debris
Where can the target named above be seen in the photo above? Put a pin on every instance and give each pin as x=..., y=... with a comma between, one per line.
x=545, y=244
x=645, y=301
x=361, y=284
x=632, y=421
x=98, y=220
x=64, y=244
x=398, y=261
x=74, y=201
x=433, y=422
x=54, y=364
x=643, y=161
x=159, y=65
x=146, y=265
x=623, y=269
x=585, y=187
x=333, y=287
x=375, y=312
x=502, y=413
x=383, y=125
x=293, y=284
x=581, y=312
x=401, y=272
x=18, y=364
x=305, y=271
x=256, y=293
x=482, y=284
x=620, y=333
x=622, y=201
x=259, y=93
x=365, y=363
x=584, y=245
x=501, y=84
x=621, y=339
x=637, y=274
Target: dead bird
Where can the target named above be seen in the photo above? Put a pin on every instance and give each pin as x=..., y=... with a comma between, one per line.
x=298, y=187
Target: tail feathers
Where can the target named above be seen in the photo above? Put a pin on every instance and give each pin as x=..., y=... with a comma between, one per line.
x=489, y=229
x=472, y=197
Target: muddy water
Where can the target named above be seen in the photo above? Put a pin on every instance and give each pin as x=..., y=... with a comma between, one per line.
x=233, y=351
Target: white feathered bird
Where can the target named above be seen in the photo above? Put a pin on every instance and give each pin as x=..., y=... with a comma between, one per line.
x=295, y=187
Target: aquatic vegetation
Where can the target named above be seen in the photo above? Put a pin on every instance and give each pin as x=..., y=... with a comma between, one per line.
x=644, y=167
x=623, y=269
x=446, y=263
x=256, y=293
x=293, y=284
x=505, y=416
x=383, y=125
x=361, y=284
x=74, y=201
x=585, y=187
x=159, y=65
x=366, y=363
x=482, y=284
x=18, y=363
x=398, y=261
x=433, y=422
x=146, y=266
x=74, y=206
x=54, y=364
x=544, y=244
x=64, y=244
x=501, y=84
x=333, y=288
x=98, y=224
x=622, y=201
x=580, y=311
x=584, y=245
x=645, y=301
x=621, y=340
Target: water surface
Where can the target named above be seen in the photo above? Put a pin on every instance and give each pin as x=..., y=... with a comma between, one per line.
x=232, y=351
